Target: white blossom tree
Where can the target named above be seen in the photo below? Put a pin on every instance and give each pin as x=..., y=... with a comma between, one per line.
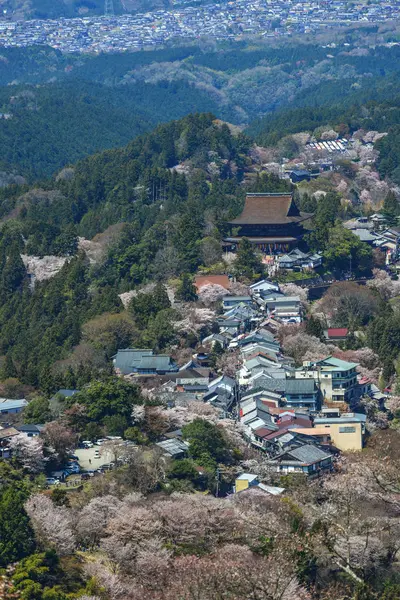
x=53, y=525
x=29, y=452
x=211, y=294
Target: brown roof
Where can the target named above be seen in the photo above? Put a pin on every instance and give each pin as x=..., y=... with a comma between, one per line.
x=8, y=432
x=269, y=208
x=222, y=280
x=262, y=431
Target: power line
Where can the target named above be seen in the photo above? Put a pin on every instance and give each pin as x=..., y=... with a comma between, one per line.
x=109, y=8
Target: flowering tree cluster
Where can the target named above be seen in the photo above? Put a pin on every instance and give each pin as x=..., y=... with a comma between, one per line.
x=251, y=545
x=29, y=452
x=196, y=318
x=301, y=346
x=211, y=294
x=291, y=289
x=384, y=284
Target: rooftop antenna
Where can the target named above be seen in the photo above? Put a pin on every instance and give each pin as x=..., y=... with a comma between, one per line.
x=109, y=8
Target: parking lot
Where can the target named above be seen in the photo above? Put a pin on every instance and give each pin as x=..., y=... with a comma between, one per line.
x=88, y=462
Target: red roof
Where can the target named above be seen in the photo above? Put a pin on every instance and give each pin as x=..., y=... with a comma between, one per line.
x=262, y=431
x=222, y=280
x=337, y=332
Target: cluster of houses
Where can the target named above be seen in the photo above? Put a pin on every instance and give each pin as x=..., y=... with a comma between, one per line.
x=374, y=232
x=299, y=418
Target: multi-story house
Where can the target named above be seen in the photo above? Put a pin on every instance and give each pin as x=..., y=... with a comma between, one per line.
x=337, y=379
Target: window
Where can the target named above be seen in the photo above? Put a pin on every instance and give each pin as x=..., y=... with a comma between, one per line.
x=347, y=429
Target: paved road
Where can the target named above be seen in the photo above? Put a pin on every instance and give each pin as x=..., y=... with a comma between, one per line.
x=86, y=455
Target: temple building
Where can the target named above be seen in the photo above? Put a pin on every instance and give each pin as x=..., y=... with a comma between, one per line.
x=272, y=222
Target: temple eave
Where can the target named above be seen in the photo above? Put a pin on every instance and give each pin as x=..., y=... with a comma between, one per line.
x=288, y=221
x=262, y=240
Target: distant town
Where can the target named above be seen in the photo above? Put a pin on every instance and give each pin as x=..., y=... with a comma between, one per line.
x=220, y=21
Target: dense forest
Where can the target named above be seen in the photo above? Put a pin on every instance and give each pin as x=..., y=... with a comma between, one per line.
x=63, y=108
x=168, y=220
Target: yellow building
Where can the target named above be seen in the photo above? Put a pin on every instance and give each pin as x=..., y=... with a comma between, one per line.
x=346, y=434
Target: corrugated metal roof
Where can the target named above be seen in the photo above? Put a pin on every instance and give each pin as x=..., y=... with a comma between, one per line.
x=11, y=404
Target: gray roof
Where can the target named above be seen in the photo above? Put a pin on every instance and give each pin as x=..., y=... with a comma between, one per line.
x=11, y=404
x=343, y=419
x=236, y=298
x=364, y=235
x=300, y=386
x=160, y=362
x=309, y=454
x=30, y=428
x=286, y=386
x=173, y=447
x=132, y=359
x=67, y=393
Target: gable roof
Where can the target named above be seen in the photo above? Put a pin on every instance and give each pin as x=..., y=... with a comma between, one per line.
x=337, y=363
x=300, y=386
x=6, y=404
x=308, y=454
x=8, y=432
x=30, y=428
x=269, y=208
x=131, y=359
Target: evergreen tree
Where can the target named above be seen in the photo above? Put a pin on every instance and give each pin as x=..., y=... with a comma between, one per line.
x=186, y=291
x=16, y=534
x=314, y=327
x=13, y=274
x=9, y=369
x=391, y=206
x=247, y=263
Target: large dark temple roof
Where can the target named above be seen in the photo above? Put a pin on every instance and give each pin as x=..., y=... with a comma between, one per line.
x=271, y=209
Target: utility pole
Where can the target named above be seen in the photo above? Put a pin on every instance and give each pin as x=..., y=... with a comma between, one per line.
x=109, y=8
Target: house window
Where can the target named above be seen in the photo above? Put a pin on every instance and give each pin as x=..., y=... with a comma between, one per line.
x=347, y=429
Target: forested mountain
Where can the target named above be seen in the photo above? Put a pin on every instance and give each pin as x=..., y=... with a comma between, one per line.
x=57, y=124
x=63, y=108
x=168, y=220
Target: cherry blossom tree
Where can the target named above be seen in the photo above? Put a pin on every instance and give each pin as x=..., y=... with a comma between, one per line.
x=211, y=294
x=228, y=363
x=384, y=284
x=291, y=289
x=53, y=525
x=29, y=452
x=195, y=319
x=94, y=518
x=59, y=439
x=305, y=347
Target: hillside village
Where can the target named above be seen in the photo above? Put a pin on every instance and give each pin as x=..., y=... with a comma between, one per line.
x=207, y=381
x=298, y=418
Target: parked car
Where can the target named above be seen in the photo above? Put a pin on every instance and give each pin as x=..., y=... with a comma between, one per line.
x=87, y=444
x=52, y=481
x=73, y=467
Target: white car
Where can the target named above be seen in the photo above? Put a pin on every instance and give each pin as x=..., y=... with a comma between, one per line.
x=96, y=454
x=87, y=444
